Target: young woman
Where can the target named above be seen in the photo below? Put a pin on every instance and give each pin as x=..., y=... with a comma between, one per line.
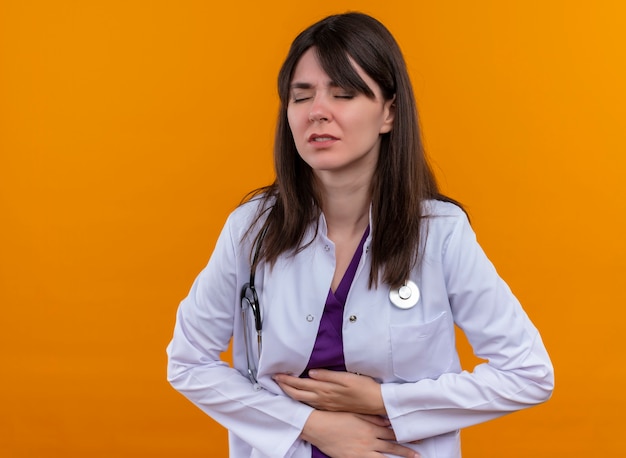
x=340, y=284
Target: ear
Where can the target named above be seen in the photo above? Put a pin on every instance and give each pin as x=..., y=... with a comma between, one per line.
x=389, y=108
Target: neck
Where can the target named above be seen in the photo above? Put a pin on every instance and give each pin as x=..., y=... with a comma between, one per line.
x=346, y=207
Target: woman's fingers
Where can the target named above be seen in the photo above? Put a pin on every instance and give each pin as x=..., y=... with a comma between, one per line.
x=335, y=391
x=342, y=434
x=376, y=420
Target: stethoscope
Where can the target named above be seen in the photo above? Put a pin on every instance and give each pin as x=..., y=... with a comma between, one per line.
x=250, y=301
x=405, y=297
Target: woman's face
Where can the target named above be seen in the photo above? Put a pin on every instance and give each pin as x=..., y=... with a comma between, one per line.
x=336, y=130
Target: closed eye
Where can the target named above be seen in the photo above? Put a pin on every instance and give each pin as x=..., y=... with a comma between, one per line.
x=300, y=99
x=343, y=93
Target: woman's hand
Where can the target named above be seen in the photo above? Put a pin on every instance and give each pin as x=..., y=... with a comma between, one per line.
x=335, y=391
x=349, y=435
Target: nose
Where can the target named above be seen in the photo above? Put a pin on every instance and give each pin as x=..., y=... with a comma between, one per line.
x=319, y=110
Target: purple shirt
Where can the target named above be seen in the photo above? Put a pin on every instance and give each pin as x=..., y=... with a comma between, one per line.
x=328, y=349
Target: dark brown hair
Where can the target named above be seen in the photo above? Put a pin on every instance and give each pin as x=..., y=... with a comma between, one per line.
x=403, y=179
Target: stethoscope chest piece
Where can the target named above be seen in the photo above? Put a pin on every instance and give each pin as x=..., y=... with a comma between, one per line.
x=406, y=296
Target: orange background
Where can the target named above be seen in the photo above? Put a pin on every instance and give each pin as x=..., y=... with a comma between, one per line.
x=130, y=129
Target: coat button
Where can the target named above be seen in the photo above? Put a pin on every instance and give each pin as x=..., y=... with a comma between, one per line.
x=326, y=247
x=352, y=318
x=309, y=318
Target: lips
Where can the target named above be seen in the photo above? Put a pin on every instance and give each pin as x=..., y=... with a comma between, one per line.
x=321, y=138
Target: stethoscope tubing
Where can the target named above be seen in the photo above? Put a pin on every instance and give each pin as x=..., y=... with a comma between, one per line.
x=252, y=302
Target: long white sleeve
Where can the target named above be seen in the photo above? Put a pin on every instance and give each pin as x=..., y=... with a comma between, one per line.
x=518, y=372
x=206, y=320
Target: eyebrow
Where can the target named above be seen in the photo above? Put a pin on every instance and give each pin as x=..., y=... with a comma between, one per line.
x=302, y=85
